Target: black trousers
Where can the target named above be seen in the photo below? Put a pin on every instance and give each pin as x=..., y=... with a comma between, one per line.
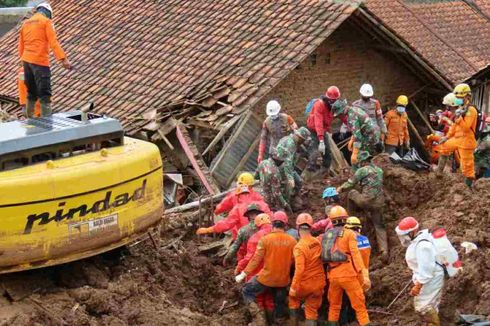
x=38, y=82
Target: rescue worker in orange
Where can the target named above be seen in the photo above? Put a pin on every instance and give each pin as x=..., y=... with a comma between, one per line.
x=461, y=136
x=309, y=277
x=37, y=36
x=396, y=120
x=344, y=275
x=275, y=251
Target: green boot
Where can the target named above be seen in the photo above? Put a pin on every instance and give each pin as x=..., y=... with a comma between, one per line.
x=30, y=107
x=468, y=182
x=269, y=317
x=332, y=323
x=46, y=110
x=293, y=317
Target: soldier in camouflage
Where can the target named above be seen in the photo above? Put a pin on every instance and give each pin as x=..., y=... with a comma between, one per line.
x=365, y=132
x=371, y=106
x=370, y=199
x=271, y=181
x=286, y=152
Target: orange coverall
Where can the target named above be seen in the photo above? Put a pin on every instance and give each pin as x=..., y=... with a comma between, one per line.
x=345, y=277
x=309, y=277
x=397, y=128
x=22, y=88
x=461, y=138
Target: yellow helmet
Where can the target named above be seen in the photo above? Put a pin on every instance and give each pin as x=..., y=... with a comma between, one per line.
x=402, y=100
x=246, y=178
x=353, y=223
x=462, y=90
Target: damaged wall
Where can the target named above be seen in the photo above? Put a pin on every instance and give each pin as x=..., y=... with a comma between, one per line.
x=347, y=59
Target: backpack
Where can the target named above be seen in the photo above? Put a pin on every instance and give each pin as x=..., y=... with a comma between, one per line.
x=446, y=254
x=309, y=106
x=330, y=251
x=480, y=123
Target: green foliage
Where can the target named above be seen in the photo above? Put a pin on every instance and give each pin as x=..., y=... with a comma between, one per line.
x=13, y=3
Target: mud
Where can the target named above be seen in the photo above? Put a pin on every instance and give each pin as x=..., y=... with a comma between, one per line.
x=175, y=285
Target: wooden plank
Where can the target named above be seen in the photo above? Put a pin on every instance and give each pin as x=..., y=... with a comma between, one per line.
x=424, y=118
x=221, y=133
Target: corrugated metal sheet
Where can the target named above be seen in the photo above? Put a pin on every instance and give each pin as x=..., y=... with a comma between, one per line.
x=240, y=151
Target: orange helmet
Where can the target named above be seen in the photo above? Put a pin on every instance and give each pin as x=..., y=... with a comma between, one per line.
x=304, y=218
x=337, y=212
x=262, y=219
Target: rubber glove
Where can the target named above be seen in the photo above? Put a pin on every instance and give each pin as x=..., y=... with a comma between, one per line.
x=366, y=283
x=353, y=158
x=415, y=291
x=240, y=277
x=350, y=145
x=292, y=292
x=321, y=147
x=205, y=230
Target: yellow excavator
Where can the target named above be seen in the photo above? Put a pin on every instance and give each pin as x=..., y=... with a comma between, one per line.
x=73, y=186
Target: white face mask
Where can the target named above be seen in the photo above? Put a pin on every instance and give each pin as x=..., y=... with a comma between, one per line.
x=400, y=109
x=405, y=240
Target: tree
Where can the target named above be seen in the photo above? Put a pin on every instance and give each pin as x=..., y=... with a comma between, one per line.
x=13, y=3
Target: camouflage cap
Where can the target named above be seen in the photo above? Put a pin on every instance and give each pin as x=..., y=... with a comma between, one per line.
x=338, y=107
x=303, y=132
x=253, y=208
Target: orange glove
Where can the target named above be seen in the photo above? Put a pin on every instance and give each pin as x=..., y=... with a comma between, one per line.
x=350, y=144
x=353, y=158
x=415, y=291
x=366, y=282
x=205, y=230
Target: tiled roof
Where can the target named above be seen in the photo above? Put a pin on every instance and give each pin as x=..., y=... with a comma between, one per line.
x=483, y=5
x=135, y=56
x=450, y=36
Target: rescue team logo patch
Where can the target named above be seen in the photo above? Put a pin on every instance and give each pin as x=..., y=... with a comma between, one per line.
x=99, y=206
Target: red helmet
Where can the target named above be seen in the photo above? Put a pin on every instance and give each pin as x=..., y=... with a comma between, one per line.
x=333, y=93
x=304, y=218
x=407, y=225
x=280, y=216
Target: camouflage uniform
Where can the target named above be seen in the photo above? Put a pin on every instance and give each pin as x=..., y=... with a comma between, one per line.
x=365, y=131
x=273, y=129
x=373, y=108
x=271, y=182
x=482, y=155
x=286, y=151
x=370, y=199
x=244, y=234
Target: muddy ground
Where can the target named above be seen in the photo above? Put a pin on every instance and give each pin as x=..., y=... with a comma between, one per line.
x=175, y=285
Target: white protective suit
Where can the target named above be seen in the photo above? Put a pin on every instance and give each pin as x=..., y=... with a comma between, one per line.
x=421, y=259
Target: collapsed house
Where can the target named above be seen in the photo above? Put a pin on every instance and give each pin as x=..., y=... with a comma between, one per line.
x=194, y=77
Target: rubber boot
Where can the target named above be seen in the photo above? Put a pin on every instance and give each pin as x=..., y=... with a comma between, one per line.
x=468, y=182
x=258, y=317
x=46, y=110
x=431, y=318
x=441, y=165
x=30, y=107
x=269, y=316
x=310, y=322
x=332, y=323
x=293, y=317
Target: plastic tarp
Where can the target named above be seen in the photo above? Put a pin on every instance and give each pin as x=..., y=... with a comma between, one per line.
x=411, y=160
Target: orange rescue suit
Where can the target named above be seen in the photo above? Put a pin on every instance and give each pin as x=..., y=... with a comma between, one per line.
x=345, y=277
x=37, y=36
x=309, y=277
x=397, y=127
x=276, y=251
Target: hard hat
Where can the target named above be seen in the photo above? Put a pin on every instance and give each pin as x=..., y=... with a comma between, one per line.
x=246, y=178
x=353, y=223
x=262, y=219
x=304, y=218
x=338, y=107
x=253, y=208
x=366, y=90
x=332, y=93
x=273, y=108
x=280, y=216
x=362, y=156
x=462, y=90
x=407, y=225
x=337, y=212
x=45, y=5
x=402, y=100
x=303, y=132
x=449, y=99
x=329, y=192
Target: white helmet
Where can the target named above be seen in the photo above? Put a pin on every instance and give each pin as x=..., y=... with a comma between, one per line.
x=45, y=5
x=273, y=108
x=366, y=90
x=449, y=100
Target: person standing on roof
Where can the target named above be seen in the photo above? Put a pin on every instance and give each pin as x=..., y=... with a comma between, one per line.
x=275, y=252
x=397, y=137
x=244, y=193
x=372, y=107
x=309, y=277
x=36, y=37
x=345, y=264
x=370, y=199
x=319, y=120
x=462, y=136
x=365, y=132
x=276, y=126
x=428, y=276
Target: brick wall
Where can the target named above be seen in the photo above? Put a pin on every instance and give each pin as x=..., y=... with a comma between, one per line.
x=347, y=60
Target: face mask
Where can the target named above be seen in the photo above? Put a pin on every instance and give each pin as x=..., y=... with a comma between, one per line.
x=458, y=101
x=274, y=117
x=405, y=240
x=400, y=109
